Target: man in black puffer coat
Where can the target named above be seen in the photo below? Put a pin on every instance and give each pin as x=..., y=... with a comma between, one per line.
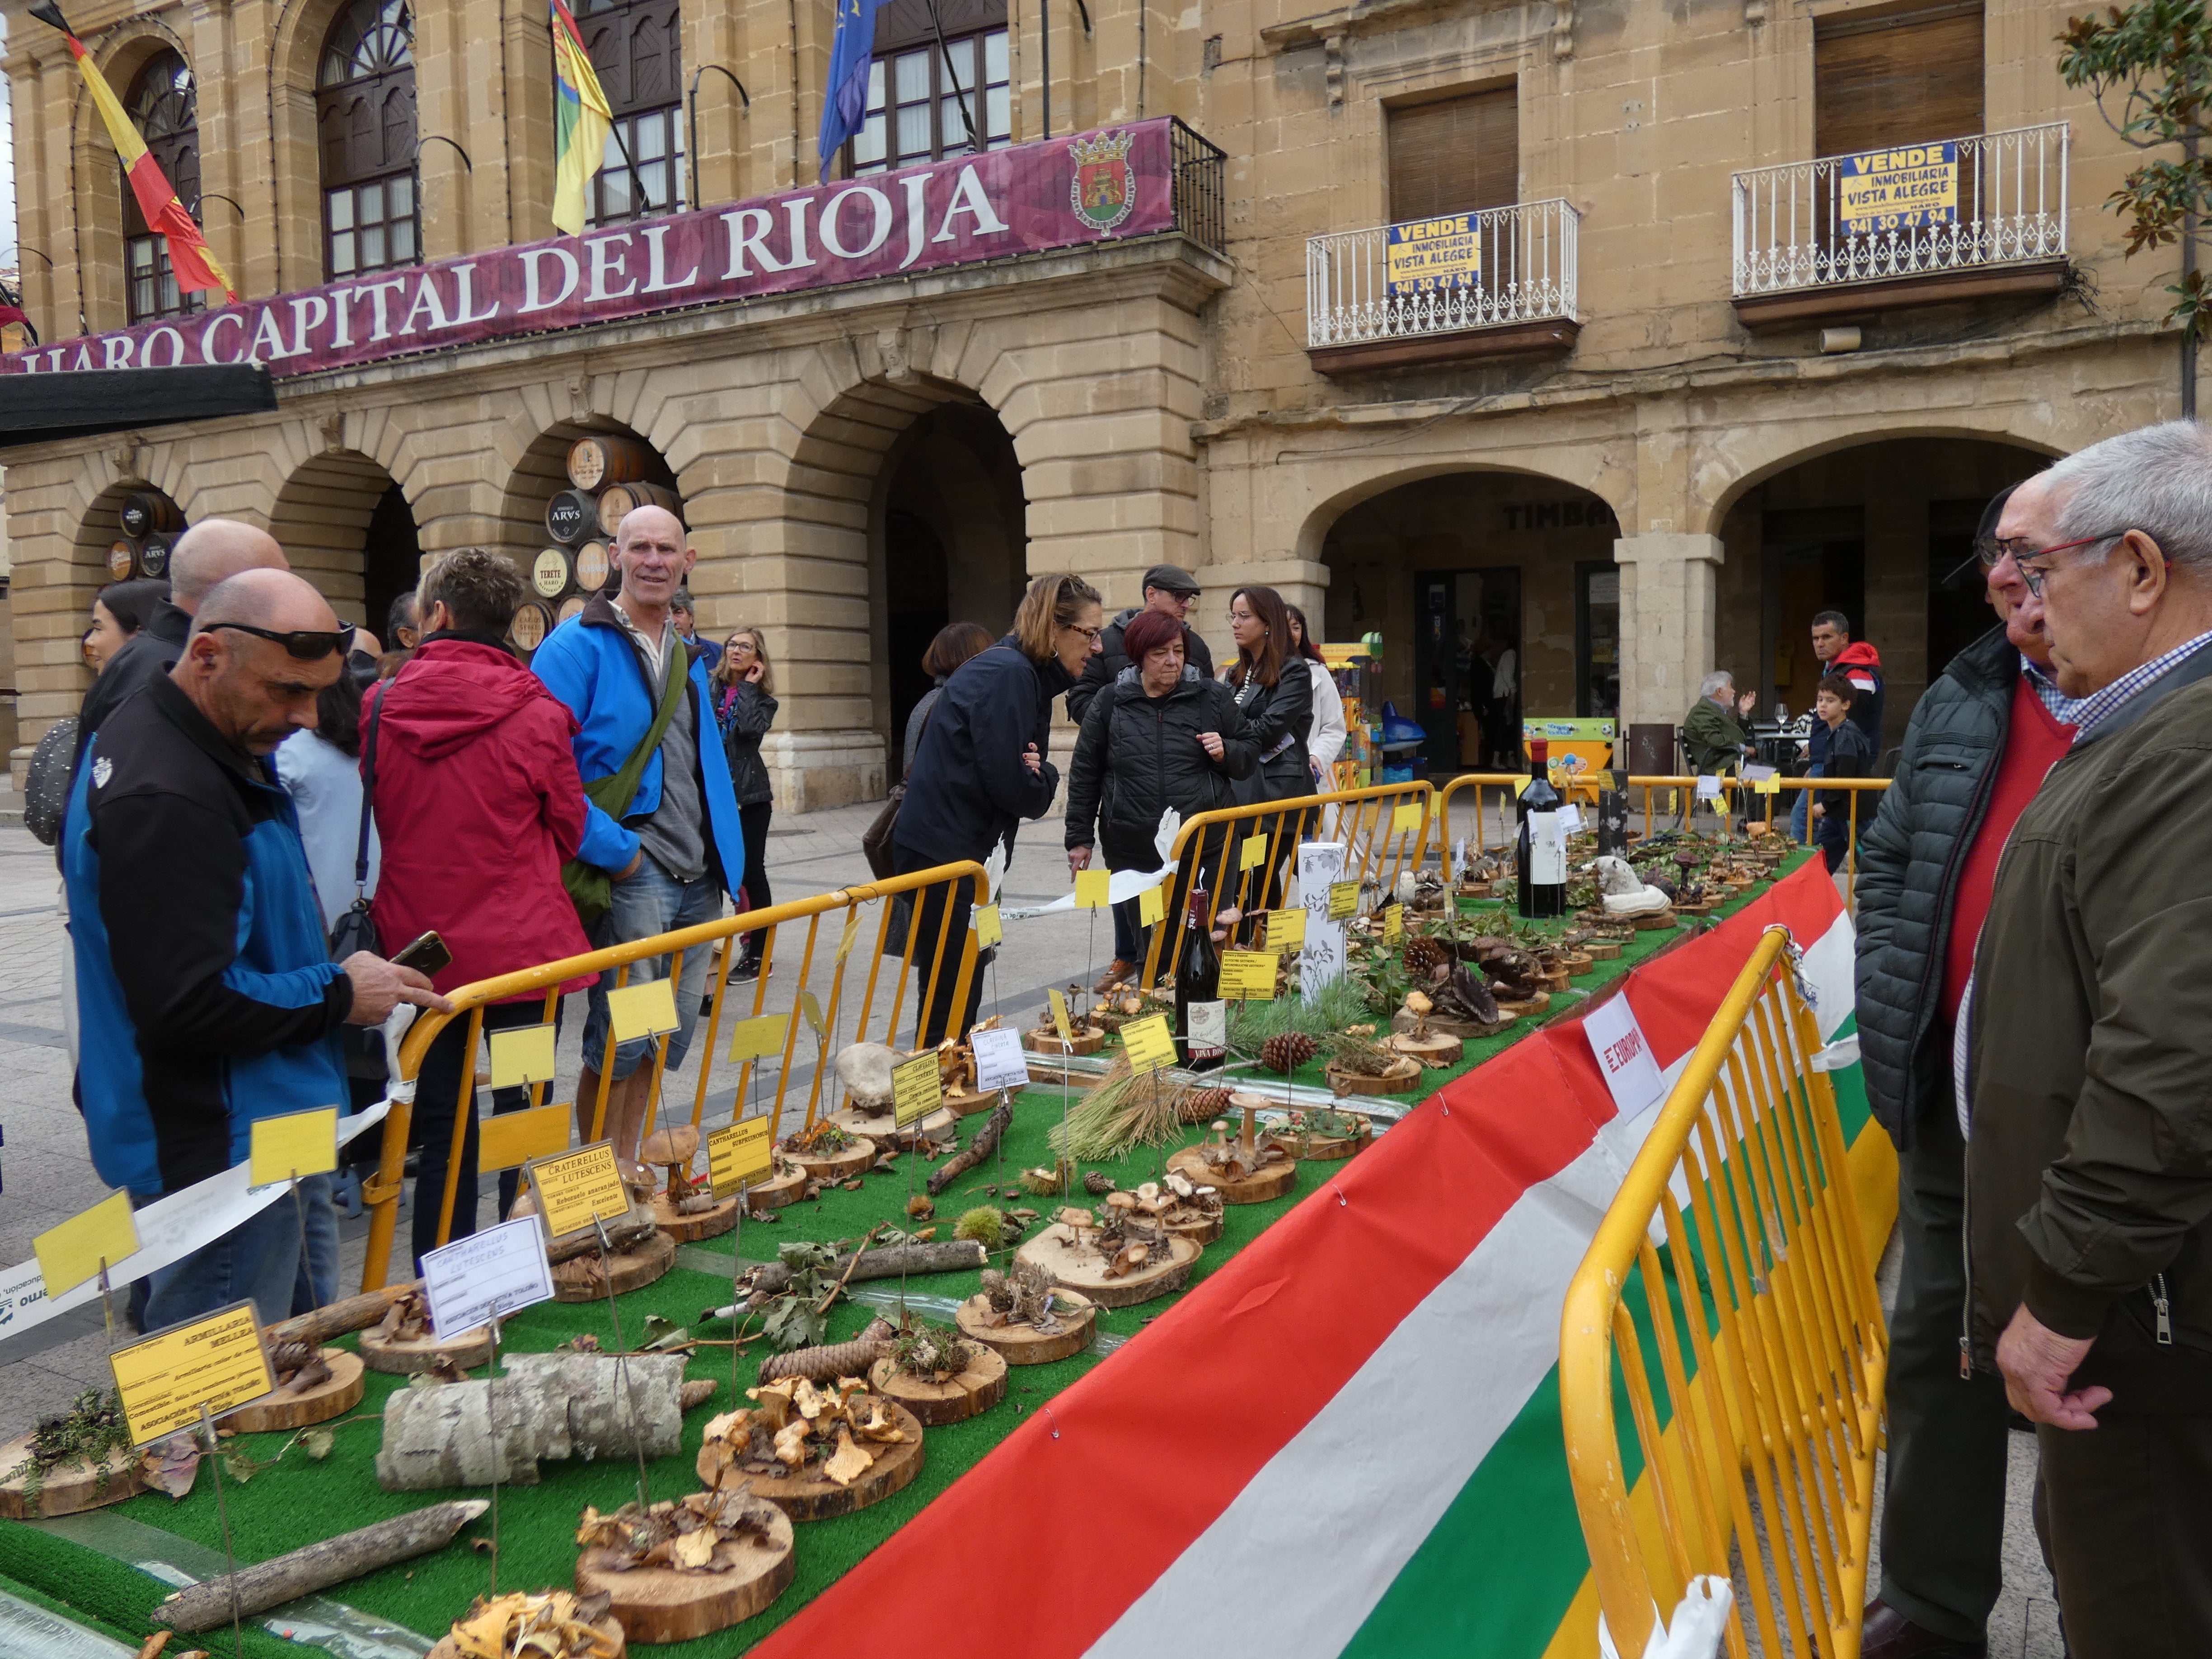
x=1980, y=741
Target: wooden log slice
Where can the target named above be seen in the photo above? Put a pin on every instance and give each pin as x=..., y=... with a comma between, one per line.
x=74, y=1487
x=837, y=1166
x=700, y=1224
x=1535, y=1005
x=967, y=1105
x=1403, y=1075
x=1025, y=1345
x=820, y=1498
x=1043, y=1071
x=976, y=1389
x=1554, y=978
x=1081, y=1267
x=1655, y=923
x=659, y=1604
x=404, y=1355
x=1437, y=1048
x=1580, y=961
x=1704, y=908
x=578, y=1279
x=1603, y=950
x=1331, y=1149
x=882, y=1128
x=1203, y=1228
x=1462, y=1029
x=610, y=1627
x=1264, y=1185
x=786, y=1186
x=338, y=1394
x=1087, y=1040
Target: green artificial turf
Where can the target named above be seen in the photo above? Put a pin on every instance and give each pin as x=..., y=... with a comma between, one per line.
x=296, y=1501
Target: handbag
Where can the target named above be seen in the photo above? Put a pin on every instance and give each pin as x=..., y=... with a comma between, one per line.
x=876, y=840
x=590, y=889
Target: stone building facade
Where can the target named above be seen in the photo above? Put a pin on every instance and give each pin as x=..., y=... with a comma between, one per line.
x=1697, y=388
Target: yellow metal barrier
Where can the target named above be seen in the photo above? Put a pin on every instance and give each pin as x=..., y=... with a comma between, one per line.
x=931, y=894
x=1378, y=848
x=1765, y=1281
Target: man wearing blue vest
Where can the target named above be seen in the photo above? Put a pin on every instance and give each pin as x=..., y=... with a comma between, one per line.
x=677, y=847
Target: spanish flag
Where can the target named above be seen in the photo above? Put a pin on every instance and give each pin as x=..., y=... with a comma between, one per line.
x=581, y=121
x=195, y=267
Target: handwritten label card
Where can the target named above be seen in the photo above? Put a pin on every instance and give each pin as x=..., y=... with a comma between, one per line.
x=1092, y=889
x=739, y=1153
x=1150, y=1043
x=1343, y=899
x=72, y=1252
x=507, y=1140
x=1394, y=923
x=296, y=1144
x=999, y=1061
x=1286, y=929
x=917, y=1089
x=644, y=1009
x=522, y=1056
x=217, y=1362
x=758, y=1038
x=1248, y=975
x=575, y=1189
x=1708, y=787
x=500, y=1270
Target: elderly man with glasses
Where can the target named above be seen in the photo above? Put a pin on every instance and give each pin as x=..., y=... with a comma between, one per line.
x=2081, y=1048
x=204, y=984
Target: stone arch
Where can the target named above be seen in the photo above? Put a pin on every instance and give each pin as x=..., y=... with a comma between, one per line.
x=346, y=524
x=122, y=52
x=294, y=186
x=1323, y=515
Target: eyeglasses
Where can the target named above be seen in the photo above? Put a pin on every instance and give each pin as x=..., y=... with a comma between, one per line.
x=1090, y=634
x=306, y=644
x=2035, y=578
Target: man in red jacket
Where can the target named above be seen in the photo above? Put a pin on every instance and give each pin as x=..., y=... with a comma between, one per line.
x=477, y=803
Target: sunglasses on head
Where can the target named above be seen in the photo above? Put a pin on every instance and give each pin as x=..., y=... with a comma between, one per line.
x=306, y=644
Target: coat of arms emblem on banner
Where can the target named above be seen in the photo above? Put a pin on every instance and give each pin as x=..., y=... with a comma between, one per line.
x=1104, y=189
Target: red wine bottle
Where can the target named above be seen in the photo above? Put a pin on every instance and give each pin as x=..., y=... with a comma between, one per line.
x=1200, y=1020
x=1542, y=851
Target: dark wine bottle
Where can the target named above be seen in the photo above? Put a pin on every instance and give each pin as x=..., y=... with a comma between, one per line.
x=1201, y=1022
x=1542, y=851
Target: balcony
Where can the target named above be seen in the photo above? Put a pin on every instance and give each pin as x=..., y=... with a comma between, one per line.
x=1468, y=288
x=1931, y=223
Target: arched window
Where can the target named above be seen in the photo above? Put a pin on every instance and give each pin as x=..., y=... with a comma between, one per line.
x=365, y=117
x=637, y=52
x=939, y=85
x=165, y=110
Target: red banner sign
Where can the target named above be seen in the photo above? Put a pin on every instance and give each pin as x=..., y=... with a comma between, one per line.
x=1058, y=193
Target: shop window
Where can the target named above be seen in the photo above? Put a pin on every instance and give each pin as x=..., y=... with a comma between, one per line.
x=1455, y=155
x=930, y=97
x=637, y=52
x=1900, y=78
x=365, y=121
x=165, y=109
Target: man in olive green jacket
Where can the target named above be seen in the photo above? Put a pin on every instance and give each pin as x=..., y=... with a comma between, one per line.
x=1713, y=731
x=2086, y=1033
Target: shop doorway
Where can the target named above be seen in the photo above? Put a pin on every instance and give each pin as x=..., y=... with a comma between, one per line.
x=1597, y=640
x=1815, y=561
x=391, y=564
x=1467, y=664
x=1959, y=610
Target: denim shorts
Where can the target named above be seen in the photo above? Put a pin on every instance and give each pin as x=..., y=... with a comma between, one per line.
x=652, y=902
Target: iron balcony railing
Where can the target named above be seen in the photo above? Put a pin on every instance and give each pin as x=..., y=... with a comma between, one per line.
x=1199, y=167
x=1996, y=198
x=1525, y=274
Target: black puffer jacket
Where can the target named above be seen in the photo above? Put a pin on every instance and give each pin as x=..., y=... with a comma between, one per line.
x=1276, y=712
x=1103, y=669
x=746, y=718
x=1137, y=756
x=1908, y=866
x=969, y=790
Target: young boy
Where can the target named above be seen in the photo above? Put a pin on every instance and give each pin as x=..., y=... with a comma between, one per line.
x=1850, y=754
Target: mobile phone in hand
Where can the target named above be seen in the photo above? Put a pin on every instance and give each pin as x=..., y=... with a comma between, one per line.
x=428, y=955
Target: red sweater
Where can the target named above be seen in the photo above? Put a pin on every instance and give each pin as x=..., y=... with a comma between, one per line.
x=2034, y=740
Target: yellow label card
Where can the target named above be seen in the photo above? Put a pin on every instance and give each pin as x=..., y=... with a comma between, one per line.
x=1248, y=975
x=1343, y=899
x=507, y=1140
x=522, y=1056
x=1151, y=907
x=1252, y=853
x=217, y=1362
x=1767, y=786
x=1521, y=786
x=296, y=1144
x=643, y=1010
x=987, y=930
x=1060, y=1016
x=1092, y=889
x=1150, y=1043
x=811, y=1007
x=916, y=1089
x=851, y=936
x=72, y=1252
x=573, y=1188
x=1286, y=929
x=1393, y=922
x=739, y=1153
x=1407, y=820
x=757, y=1038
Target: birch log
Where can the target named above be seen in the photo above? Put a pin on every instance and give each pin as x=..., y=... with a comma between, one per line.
x=555, y=1405
x=271, y=1584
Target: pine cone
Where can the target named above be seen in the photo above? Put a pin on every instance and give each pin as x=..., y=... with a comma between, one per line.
x=1286, y=1051
x=1203, y=1105
x=1423, y=956
x=1098, y=1182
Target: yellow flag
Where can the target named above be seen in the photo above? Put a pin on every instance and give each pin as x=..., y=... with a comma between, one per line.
x=581, y=121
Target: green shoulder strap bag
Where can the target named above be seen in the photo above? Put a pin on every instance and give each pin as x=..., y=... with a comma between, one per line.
x=590, y=889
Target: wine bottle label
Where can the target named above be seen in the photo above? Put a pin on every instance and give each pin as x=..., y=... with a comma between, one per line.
x=1548, y=849
x=1206, y=1028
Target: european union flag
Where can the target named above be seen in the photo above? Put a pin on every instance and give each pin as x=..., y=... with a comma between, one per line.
x=845, y=111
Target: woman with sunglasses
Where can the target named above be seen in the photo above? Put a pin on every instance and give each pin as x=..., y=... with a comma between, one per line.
x=745, y=708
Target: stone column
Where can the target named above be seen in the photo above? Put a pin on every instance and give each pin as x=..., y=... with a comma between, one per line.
x=1669, y=592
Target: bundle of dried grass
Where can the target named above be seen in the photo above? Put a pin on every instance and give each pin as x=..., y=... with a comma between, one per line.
x=1124, y=1111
